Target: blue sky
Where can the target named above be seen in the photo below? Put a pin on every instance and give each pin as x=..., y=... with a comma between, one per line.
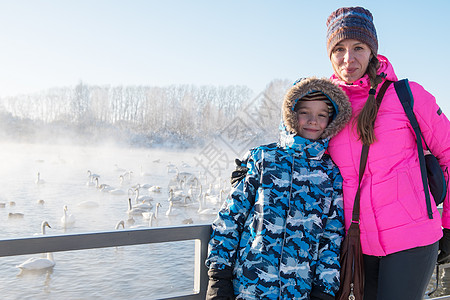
x=51, y=43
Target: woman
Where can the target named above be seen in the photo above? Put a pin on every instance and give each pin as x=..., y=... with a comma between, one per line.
x=399, y=241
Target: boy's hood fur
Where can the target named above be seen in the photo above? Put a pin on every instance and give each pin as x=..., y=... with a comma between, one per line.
x=334, y=93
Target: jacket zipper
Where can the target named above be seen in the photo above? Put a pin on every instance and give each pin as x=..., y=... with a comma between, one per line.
x=285, y=224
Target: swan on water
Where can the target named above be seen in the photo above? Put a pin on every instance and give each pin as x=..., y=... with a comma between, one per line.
x=39, y=180
x=120, y=223
x=92, y=176
x=202, y=210
x=40, y=263
x=215, y=199
x=140, y=198
x=40, y=201
x=134, y=210
x=15, y=215
x=67, y=220
x=171, y=211
x=147, y=215
x=154, y=189
x=143, y=173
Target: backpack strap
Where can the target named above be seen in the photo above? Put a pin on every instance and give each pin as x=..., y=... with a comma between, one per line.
x=406, y=98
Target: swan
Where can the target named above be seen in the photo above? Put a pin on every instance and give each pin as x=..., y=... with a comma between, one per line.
x=39, y=180
x=141, y=186
x=118, y=169
x=154, y=189
x=120, y=223
x=216, y=199
x=67, y=220
x=195, y=192
x=171, y=168
x=92, y=176
x=176, y=196
x=12, y=203
x=143, y=173
x=103, y=187
x=142, y=198
x=148, y=214
x=15, y=215
x=2, y=204
x=205, y=211
x=171, y=211
x=144, y=205
x=127, y=173
x=38, y=263
x=44, y=224
x=40, y=201
x=134, y=210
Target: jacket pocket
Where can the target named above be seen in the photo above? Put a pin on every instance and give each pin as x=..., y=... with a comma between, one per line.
x=410, y=196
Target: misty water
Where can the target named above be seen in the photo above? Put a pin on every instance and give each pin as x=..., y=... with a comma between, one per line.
x=133, y=272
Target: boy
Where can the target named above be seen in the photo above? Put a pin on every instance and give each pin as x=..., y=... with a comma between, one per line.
x=279, y=232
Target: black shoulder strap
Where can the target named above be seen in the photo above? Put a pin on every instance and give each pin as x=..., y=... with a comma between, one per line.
x=407, y=100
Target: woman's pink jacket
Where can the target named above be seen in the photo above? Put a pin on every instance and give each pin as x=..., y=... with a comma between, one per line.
x=393, y=208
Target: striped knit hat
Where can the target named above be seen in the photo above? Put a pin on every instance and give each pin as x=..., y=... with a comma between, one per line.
x=318, y=96
x=351, y=23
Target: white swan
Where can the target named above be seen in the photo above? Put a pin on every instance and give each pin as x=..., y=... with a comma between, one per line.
x=39, y=180
x=120, y=223
x=202, y=210
x=148, y=214
x=15, y=215
x=67, y=220
x=106, y=188
x=118, y=169
x=41, y=262
x=176, y=196
x=40, y=201
x=154, y=189
x=171, y=211
x=215, y=199
x=137, y=211
x=91, y=178
x=143, y=173
x=141, y=198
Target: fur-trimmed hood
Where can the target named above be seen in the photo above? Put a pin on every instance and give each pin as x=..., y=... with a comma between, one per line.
x=342, y=107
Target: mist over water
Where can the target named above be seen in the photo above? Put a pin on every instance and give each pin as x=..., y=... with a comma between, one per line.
x=135, y=271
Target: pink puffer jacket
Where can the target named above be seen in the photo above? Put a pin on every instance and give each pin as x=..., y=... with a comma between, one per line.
x=393, y=208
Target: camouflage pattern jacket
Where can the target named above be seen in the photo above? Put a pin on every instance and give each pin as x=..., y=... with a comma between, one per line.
x=281, y=228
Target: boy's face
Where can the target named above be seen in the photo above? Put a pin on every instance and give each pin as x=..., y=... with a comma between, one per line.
x=313, y=118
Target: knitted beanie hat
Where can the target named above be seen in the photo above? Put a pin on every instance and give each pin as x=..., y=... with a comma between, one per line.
x=318, y=96
x=351, y=23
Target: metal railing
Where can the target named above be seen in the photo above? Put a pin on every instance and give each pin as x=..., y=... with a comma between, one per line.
x=83, y=241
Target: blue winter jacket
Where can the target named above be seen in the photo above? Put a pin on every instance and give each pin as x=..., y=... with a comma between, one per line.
x=281, y=228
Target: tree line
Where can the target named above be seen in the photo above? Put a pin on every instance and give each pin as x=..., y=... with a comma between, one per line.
x=133, y=114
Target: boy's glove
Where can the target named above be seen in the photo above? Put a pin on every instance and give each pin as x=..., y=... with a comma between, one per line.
x=220, y=285
x=239, y=173
x=444, y=247
x=316, y=294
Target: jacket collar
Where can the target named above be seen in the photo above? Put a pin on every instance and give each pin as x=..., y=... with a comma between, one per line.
x=301, y=147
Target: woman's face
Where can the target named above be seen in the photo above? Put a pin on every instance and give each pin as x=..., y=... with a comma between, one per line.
x=350, y=59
